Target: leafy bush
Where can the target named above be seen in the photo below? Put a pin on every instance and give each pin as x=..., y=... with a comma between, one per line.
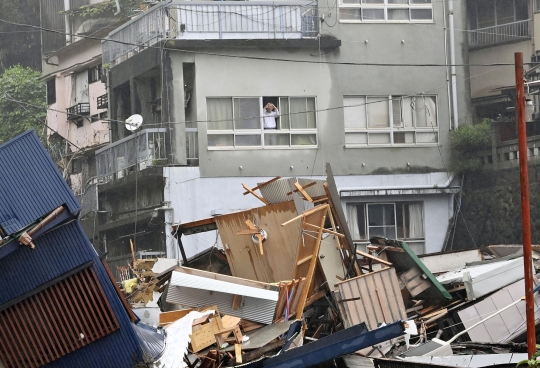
x=106, y=9
x=22, y=102
x=466, y=141
x=534, y=362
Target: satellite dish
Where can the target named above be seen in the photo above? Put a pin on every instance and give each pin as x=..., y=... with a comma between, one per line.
x=134, y=122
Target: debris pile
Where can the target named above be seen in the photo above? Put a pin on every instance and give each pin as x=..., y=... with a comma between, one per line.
x=297, y=291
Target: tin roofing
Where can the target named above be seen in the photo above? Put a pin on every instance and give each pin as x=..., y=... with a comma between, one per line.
x=30, y=184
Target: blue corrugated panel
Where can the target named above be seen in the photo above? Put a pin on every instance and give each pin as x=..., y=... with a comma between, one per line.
x=30, y=184
x=56, y=253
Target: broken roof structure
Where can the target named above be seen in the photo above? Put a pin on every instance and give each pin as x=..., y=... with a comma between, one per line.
x=58, y=306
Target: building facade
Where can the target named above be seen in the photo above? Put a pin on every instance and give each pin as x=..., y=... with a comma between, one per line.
x=365, y=86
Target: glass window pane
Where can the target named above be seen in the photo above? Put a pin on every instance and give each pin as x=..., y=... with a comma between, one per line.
x=522, y=10
x=420, y=1
x=398, y=1
x=426, y=137
x=220, y=140
x=372, y=14
x=421, y=14
x=407, y=113
x=373, y=1
x=486, y=13
x=379, y=138
x=356, y=138
x=354, y=112
x=284, y=121
x=248, y=140
x=378, y=116
x=404, y=138
x=381, y=214
x=303, y=139
x=398, y=14
x=425, y=111
x=505, y=11
x=351, y=1
x=349, y=14
x=400, y=220
x=247, y=113
x=377, y=231
x=311, y=113
x=298, y=115
x=276, y=139
x=219, y=113
x=396, y=110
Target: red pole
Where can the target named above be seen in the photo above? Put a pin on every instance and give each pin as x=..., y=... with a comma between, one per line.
x=525, y=204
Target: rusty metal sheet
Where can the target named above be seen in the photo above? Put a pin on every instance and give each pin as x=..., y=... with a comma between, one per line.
x=279, y=190
x=243, y=255
x=372, y=298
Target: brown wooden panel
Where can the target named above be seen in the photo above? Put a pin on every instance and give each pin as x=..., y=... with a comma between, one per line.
x=55, y=322
x=245, y=260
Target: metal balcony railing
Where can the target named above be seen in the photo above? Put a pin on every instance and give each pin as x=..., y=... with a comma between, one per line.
x=78, y=111
x=102, y=102
x=516, y=31
x=145, y=148
x=191, y=20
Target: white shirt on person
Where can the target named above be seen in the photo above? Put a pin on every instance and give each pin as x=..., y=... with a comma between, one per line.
x=269, y=119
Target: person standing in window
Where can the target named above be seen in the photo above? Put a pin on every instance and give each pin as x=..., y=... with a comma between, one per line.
x=270, y=113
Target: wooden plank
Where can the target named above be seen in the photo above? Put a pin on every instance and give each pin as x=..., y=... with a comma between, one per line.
x=315, y=246
x=376, y=259
x=263, y=184
x=226, y=278
x=169, y=317
x=304, y=187
x=255, y=194
x=306, y=213
x=303, y=192
x=304, y=260
x=237, y=302
x=238, y=353
x=277, y=263
x=325, y=230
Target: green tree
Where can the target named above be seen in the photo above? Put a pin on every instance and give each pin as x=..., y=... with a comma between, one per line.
x=19, y=44
x=22, y=103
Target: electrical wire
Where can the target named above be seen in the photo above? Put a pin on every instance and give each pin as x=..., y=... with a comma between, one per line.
x=264, y=58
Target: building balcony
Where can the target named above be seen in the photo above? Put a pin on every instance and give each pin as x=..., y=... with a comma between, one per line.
x=76, y=113
x=145, y=148
x=500, y=34
x=211, y=20
x=102, y=101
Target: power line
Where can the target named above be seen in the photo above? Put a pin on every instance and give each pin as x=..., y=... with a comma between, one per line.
x=259, y=57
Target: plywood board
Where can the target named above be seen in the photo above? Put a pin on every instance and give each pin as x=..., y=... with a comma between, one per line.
x=444, y=262
x=372, y=298
x=245, y=260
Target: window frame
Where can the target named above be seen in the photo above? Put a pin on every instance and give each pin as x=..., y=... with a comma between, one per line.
x=364, y=207
x=392, y=128
x=94, y=74
x=235, y=132
x=385, y=6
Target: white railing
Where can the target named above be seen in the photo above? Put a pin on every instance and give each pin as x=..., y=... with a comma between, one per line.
x=146, y=148
x=499, y=34
x=190, y=20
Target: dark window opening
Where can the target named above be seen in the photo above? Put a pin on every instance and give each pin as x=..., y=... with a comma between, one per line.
x=51, y=91
x=95, y=73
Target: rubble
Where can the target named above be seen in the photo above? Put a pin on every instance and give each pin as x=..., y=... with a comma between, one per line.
x=292, y=290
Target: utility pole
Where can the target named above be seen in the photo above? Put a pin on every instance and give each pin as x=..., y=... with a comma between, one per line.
x=525, y=204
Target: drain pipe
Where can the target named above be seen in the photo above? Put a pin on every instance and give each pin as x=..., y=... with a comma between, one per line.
x=117, y=8
x=67, y=25
x=453, y=63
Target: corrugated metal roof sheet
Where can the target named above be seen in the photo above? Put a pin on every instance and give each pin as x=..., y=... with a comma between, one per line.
x=30, y=184
x=276, y=191
x=254, y=309
x=197, y=282
x=56, y=253
x=31, y=187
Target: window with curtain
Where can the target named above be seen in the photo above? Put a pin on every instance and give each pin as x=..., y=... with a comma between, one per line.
x=385, y=11
x=236, y=122
x=399, y=220
x=372, y=121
